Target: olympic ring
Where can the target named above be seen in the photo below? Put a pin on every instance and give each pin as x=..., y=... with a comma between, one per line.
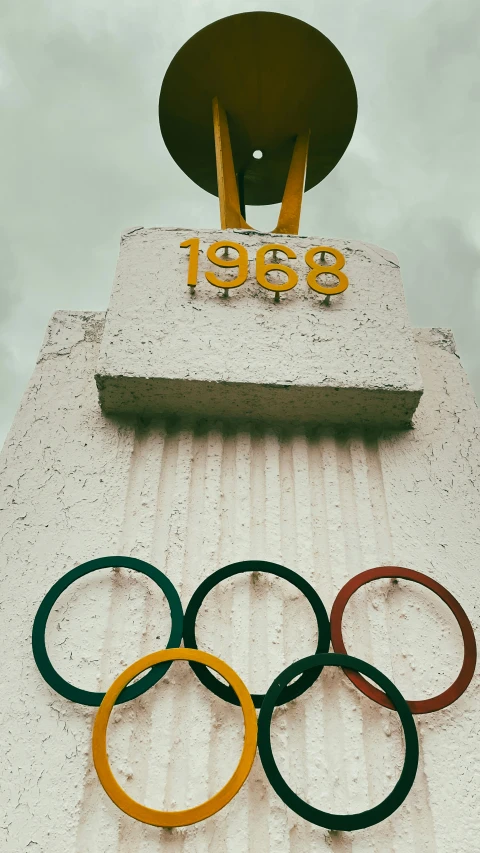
x=184, y=817
x=49, y=673
x=308, y=669
x=423, y=706
x=206, y=677
x=347, y=822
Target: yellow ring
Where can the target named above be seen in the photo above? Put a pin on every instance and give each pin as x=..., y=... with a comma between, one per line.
x=184, y=817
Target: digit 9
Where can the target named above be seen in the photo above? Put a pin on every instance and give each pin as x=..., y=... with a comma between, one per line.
x=241, y=262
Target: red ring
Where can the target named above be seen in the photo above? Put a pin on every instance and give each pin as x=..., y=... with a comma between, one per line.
x=423, y=706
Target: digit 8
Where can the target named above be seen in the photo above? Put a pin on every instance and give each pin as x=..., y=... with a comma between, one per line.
x=241, y=262
x=332, y=269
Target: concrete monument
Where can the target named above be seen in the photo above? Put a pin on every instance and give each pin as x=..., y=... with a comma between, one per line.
x=245, y=397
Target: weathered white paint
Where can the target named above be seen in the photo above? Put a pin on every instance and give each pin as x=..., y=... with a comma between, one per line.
x=166, y=349
x=328, y=503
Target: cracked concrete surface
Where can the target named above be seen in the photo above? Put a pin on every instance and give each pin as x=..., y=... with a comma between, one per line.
x=172, y=350
x=191, y=496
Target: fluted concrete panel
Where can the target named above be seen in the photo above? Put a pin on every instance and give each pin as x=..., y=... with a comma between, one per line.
x=191, y=497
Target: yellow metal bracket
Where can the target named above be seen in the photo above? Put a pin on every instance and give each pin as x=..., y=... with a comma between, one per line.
x=228, y=194
x=230, y=215
x=289, y=218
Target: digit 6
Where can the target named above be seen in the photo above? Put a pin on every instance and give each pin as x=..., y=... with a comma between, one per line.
x=241, y=262
x=263, y=268
x=332, y=269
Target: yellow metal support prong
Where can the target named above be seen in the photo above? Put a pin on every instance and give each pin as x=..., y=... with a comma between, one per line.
x=230, y=215
x=289, y=218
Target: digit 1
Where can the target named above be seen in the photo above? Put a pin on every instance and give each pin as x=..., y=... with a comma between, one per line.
x=194, y=243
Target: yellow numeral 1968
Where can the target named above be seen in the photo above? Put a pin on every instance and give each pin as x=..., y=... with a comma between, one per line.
x=263, y=267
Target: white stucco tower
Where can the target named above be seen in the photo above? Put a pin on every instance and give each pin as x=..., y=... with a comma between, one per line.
x=193, y=425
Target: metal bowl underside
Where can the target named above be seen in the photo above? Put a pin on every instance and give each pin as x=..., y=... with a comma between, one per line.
x=276, y=77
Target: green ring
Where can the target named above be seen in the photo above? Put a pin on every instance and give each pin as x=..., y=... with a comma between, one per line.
x=346, y=822
x=210, y=681
x=89, y=697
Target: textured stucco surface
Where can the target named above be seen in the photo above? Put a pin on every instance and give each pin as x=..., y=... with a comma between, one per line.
x=190, y=498
x=166, y=349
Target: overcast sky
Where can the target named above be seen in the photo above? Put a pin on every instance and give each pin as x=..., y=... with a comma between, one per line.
x=83, y=158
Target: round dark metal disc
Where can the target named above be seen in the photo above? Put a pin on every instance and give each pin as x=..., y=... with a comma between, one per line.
x=276, y=77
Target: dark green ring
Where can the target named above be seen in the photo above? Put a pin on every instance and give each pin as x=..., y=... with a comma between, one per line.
x=292, y=691
x=89, y=697
x=346, y=822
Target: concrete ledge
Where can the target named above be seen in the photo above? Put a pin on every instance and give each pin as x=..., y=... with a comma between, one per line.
x=170, y=349
x=287, y=404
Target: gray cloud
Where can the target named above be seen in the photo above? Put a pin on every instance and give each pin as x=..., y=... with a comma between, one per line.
x=83, y=157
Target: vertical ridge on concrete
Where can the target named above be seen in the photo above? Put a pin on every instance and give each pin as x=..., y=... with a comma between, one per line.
x=228, y=720
x=139, y=518
x=244, y=820
x=169, y=548
x=415, y=825
x=159, y=724
x=297, y=747
x=318, y=755
x=208, y=517
x=95, y=809
x=319, y=702
x=196, y=747
x=415, y=821
x=347, y=775
x=337, y=460
x=256, y=631
x=277, y=512
x=140, y=521
x=371, y=623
